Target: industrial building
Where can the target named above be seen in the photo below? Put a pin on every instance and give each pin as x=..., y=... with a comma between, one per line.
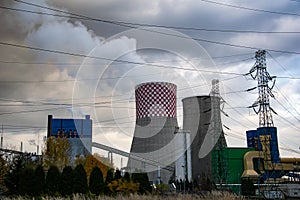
x=156, y=123
x=260, y=164
x=77, y=131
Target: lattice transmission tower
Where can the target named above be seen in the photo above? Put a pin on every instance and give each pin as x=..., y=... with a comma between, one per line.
x=262, y=105
x=219, y=159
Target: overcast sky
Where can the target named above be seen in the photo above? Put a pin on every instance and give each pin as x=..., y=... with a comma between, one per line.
x=35, y=83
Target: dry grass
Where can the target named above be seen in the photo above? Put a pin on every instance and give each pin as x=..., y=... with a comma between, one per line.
x=224, y=196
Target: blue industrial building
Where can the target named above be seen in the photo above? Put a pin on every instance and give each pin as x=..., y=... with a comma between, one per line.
x=77, y=131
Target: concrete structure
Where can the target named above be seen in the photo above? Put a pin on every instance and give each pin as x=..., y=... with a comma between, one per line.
x=201, y=116
x=154, y=132
x=77, y=131
x=183, y=165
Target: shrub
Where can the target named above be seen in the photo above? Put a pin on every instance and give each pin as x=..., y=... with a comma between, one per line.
x=96, y=181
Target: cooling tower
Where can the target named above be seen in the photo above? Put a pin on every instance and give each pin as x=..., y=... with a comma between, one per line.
x=201, y=116
x=154, y=132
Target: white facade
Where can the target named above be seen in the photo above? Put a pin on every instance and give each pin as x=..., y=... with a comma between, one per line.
x=183, y=165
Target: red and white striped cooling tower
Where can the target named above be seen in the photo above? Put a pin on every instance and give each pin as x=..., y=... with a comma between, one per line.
x=155, y=126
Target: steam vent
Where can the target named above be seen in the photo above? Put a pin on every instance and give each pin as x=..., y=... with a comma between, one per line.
x=152, y=145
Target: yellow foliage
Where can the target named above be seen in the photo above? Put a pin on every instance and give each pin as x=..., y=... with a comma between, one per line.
x=123, y=186
x=57, y=152
x=91, y=161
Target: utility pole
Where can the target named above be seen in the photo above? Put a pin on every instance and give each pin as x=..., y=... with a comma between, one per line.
x=2, y=137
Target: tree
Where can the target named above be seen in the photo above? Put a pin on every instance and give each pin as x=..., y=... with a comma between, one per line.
x=67, y=182
x=3, y=172
x=104, y=160
x=14, y=172
x=117, y=174
x=57, y=152
x=52, y=180
x=144, y=183
x=126, y=177
x=108, y=180
x=39, y=181
x=80, y=180
x=96, y=181
x=26, y=181
x=91, y=161
x=124, y=187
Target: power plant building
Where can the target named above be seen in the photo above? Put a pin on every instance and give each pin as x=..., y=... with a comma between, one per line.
x=156, y=123
x=77, y=131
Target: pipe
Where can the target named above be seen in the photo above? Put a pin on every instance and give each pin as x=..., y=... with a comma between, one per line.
x=248, y=164
x=290, y=160
x=286, y=165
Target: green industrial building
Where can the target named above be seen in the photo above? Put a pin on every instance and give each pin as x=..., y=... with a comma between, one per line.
x=227, y=167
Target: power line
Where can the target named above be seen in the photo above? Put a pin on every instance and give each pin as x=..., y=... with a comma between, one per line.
x=122, y=61
x=251, y=9
x=130, y=24
x=115, y=60
x=122, y=23
x=196, y=39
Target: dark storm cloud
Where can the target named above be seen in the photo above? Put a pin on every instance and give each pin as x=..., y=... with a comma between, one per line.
x=196, y=14
x=80, y=36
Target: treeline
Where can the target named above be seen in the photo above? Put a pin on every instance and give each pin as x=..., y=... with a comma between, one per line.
x=26, y=177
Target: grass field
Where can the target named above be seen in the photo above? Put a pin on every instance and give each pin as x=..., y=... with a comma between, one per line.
x=141, y=197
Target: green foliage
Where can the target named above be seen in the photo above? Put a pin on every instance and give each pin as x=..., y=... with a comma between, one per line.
x=26, y=181
x=109, y=179
x=52, y=181
x=126, y=177
x=80, y=180
x=144, y=183
x=96, y=181
x=39, y=181
x=3, y=172
x=12, y=177
x=117, y=175
x=67, y=182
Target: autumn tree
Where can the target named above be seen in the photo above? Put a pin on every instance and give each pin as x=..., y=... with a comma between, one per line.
x=57, y=152
x=104, y=160
x=91, y=161
x=121, y=186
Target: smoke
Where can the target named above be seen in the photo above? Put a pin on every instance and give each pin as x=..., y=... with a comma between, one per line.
x=42, y=75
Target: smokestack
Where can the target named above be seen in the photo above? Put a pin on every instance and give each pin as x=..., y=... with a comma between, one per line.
x=49, y=128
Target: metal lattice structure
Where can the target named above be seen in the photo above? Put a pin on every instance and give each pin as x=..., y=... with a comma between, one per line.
x=264, y=109
x=219, y=168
